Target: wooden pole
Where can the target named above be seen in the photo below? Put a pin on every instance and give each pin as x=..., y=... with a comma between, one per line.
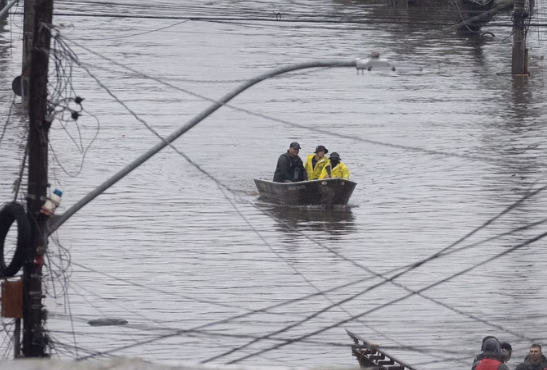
x=17, y=339
x=34, y=339
x=28, y=36
x=519, y=65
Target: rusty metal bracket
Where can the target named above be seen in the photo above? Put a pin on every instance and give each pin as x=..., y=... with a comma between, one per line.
x=371, y=356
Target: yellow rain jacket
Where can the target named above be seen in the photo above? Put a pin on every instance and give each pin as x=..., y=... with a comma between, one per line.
x=315, y=173
x=340, y=171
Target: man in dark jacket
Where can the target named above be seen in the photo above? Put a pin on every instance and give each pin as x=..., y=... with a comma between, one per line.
x=289, y=166
x=535, y=360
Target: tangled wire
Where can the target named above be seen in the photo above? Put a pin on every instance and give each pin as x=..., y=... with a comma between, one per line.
x=65, y=106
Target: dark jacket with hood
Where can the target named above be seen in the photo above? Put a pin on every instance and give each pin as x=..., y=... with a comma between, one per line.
x=490, y=358
x=289, y=168
x=528, y=365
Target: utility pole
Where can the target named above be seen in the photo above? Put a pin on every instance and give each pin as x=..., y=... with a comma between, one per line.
x=520, y=53
x=34, y=339
x=28, y=36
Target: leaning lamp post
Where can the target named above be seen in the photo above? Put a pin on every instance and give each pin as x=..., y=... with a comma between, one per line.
x=373, y=63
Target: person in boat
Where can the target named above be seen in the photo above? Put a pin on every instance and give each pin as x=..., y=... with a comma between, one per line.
x=491, y=356
x=535, y=359
x=335, y=168
x=289, y=166
x=316, y=162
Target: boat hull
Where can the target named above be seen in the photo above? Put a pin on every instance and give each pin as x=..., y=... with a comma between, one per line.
x=325, y=192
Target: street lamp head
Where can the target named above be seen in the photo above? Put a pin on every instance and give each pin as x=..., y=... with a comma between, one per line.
x=375, y=63
x=375, y=55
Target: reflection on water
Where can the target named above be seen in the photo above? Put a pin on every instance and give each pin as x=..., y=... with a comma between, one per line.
x=337, y=221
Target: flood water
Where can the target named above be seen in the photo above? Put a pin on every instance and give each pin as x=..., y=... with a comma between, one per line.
x=435, y=155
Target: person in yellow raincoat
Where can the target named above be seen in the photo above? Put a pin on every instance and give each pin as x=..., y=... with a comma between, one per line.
x=316, y=162
x=335, y=168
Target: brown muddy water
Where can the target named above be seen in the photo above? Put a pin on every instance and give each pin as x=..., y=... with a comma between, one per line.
x=435, y=155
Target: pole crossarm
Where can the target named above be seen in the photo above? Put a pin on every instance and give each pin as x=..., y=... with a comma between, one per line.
x=58, y=221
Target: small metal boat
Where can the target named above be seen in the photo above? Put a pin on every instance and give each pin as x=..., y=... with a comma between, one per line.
x=370, y=356
x=326, y=192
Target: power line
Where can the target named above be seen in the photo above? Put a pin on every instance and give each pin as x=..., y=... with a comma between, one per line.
x=274, y=119
x=391, y=280
x=424, y=22
x=338, y=324
x=179, y=332
x=514, y=205
x=449, y=247
x=7, y=122
x=317, y=10
x=141, y=33
x=199, y=300
x=239, y=348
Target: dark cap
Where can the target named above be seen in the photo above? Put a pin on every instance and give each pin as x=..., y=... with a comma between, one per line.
x=334, y=155
x=321, y=148
x=295, y=145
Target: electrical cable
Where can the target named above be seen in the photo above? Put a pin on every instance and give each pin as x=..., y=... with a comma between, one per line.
x=149, y=127
x=8, y=337
x=317, y=130
x=17, y=184
x=179, y=332
x=199, y=300
x=198, y=334
x=7, y=120
x=235, y=349
x=433, y=300
x=136, y=117
x=103, y=314
x=267, y=20
x=397, y=300
x=62, y=95
x=140, y=33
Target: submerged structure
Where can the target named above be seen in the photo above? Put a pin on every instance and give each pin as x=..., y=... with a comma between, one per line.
x=473, y=14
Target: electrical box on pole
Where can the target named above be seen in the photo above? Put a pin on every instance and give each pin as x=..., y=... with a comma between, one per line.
x=12, y=299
